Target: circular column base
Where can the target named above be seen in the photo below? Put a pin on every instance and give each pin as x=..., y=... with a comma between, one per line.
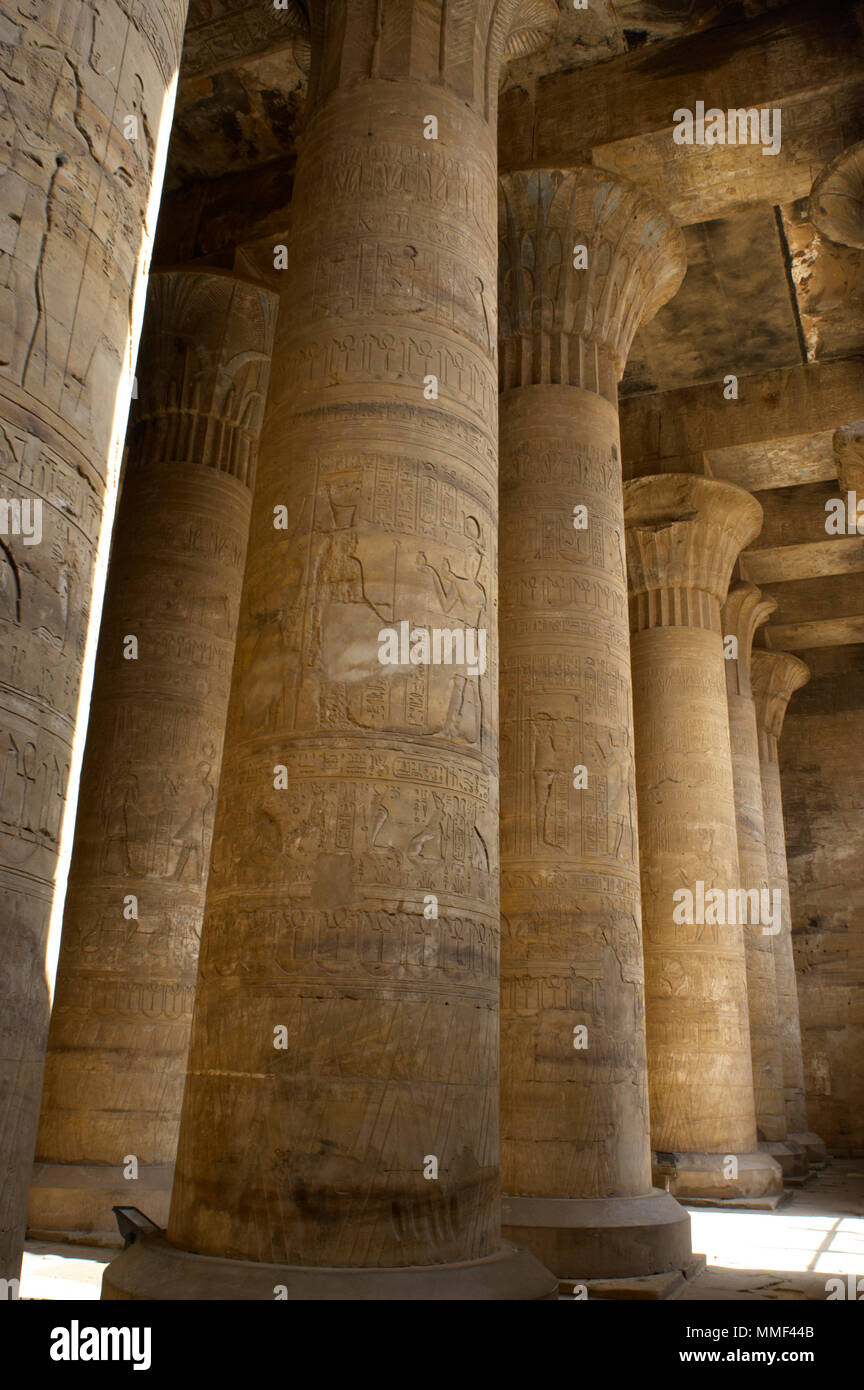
x=151, y=1270
x=692, y=1177
x=791, y=1157
x=601, y=1237
x=74, y=1201
x=813, y=1146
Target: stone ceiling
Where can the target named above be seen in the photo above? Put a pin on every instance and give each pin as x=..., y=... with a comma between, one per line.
x=766, y=297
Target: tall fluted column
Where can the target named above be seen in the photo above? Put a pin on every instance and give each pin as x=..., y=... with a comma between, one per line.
x=684, y=534
x=346, y=1022
x=776, y=677
x=119, y=1034
x=743, y=612
x=575, y=1151
x=85, y=117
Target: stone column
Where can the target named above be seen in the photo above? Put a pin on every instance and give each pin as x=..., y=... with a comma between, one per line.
x=575, y=1151
x=85, y=118
x=345, y=1035
x=684, y=533
x=119, y=1034
x=776, y=677
x=743, y=612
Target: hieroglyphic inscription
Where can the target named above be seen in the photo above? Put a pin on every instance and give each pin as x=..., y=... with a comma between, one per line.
x=695, y=974
x=571, y=950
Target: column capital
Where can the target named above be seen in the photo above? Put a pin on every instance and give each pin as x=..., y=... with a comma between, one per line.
x=207, y=340
x=837, y=198
x=684, y=534
x=560, y=323
x=776, y=676
x=848, y=443
x=459, y=44
x=744, y=610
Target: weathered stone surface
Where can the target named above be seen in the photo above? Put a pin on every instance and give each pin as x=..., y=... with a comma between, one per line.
x=722, y=274
x=837, y=198
x=743, y=612
x=619, y=114
x=574, y=1111
x=120, y=1025
x=820, y=767
x=683, y=536
x=777, y=434
x=776, y=676
x=357, y=910
x=85, y=118
x=848, y=445
x=828, y=284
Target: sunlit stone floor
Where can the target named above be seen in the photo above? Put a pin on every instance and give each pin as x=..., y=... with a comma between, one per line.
x=788, y=1253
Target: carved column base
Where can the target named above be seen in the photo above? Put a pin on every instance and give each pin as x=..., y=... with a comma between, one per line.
x=700, y=1178
x=152, y=1270
x=601, y=1237
x=791, y=1157
x=813, y=1146
x=74, y=1202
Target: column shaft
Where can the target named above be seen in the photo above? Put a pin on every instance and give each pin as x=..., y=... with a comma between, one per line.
x=684, y=534
x=784, y=961
x=776, y=675
x=575, y=1120
x=393, y=792
x=743, y=611
x=88, y=92
x=575, y=1152
x=119, y=1033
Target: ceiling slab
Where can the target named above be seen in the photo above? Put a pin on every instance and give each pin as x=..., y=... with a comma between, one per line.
x=723, y=273
x=619, y=114
x=794, y=515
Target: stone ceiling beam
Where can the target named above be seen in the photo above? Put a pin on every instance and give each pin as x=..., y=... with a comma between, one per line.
x=778, y=433
x=619, y=114
x=828, y=632
x=836, y=555
x=794, y=516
